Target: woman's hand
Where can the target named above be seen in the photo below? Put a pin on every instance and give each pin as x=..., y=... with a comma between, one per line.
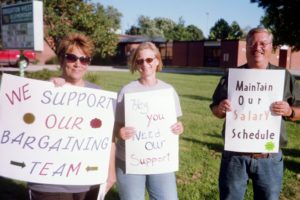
x=58, y=81
x=126, y=133
x=177, y=128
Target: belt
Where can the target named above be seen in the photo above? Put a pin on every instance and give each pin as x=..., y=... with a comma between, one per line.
x=253, y=155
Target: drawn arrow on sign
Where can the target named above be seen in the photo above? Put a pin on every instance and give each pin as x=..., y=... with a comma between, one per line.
x=88, y=168
x=20, y=164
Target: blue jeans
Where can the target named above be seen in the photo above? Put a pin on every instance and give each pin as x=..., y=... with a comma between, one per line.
x=266, y=175
x=159, y=186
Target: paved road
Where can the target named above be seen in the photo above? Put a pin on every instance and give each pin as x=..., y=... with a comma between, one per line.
x=124, y=69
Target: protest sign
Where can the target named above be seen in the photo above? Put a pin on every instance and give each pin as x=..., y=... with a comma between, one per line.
x=250, y=126
x=154, y=148
x=54, y=135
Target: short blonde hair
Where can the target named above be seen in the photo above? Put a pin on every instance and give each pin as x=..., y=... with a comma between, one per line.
x=73, y=40
x=145, y=45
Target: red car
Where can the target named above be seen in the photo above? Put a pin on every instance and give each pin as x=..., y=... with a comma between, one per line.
x=11, y=57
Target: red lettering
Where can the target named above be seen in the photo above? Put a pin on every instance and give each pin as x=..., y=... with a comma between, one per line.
x=44, y=169
x=18, y=95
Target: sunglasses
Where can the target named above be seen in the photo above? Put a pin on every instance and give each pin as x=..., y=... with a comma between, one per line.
x=73, y=58
x=141, y=61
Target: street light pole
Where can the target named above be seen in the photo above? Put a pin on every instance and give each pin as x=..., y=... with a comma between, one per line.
x=207, y=17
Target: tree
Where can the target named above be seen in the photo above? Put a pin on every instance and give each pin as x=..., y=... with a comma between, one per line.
x=148, y=27
x=235, y=31
x=179, y=32
x=165, y=28
x=194, y=33
x=282, y=18
x=245, y=31
x=134, y=30
x=220, y=30
x=223, y=31
x=65, y=16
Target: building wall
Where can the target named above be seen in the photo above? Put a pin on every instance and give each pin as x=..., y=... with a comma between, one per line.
x=295, y=60
x=232, y=53
x=188, y=53
x=195, y=52
x=229, y=53
x=166, y=51
x=275, y=57
x=241, y=53
x=179, y=53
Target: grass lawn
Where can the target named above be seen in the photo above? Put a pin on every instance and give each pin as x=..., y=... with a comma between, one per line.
x=200, y=145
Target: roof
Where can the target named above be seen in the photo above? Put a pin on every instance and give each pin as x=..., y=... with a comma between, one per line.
x=140, y=39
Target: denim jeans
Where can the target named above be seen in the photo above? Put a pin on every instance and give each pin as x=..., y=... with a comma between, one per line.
x=159, y=186
x=266, y=175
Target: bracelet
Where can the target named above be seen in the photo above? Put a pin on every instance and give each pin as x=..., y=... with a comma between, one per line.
x=292, y=115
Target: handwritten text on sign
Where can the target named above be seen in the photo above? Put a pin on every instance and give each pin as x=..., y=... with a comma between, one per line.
x=250, y=126
x=54, y=135
x=154, y=148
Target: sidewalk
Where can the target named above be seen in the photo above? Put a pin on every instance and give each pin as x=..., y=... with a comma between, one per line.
x=33, y=68
x=208, y=71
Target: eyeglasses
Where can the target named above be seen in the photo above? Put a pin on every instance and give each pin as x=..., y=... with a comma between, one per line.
x=73, y=58
x=141, y=61
x=262, y=44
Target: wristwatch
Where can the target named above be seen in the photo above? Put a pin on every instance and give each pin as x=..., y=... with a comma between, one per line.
x=292, y=114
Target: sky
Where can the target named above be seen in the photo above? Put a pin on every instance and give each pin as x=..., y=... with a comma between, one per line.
x=201, y=13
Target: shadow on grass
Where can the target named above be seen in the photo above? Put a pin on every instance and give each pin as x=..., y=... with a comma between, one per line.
x=213, y=146
x=291, y=152
x=214, y=135
x=10, y=190
x=290, y=164
x=112, y=195
x=196, y=97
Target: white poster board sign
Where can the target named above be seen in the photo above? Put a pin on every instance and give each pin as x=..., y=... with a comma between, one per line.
x=54, y=135
x=154, y=148
x=250, y=126
x=22, y=26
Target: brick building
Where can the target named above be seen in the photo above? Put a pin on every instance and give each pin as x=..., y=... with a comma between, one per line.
x=225, y=53
x=207, y=53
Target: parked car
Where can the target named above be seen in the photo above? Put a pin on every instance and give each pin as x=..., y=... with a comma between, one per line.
x=10, y=57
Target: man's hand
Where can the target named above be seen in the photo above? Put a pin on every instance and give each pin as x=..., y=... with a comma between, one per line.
x=281, y=108
x=221, y=109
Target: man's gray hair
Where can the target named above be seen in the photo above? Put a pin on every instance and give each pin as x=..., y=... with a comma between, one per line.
x=258, y=30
